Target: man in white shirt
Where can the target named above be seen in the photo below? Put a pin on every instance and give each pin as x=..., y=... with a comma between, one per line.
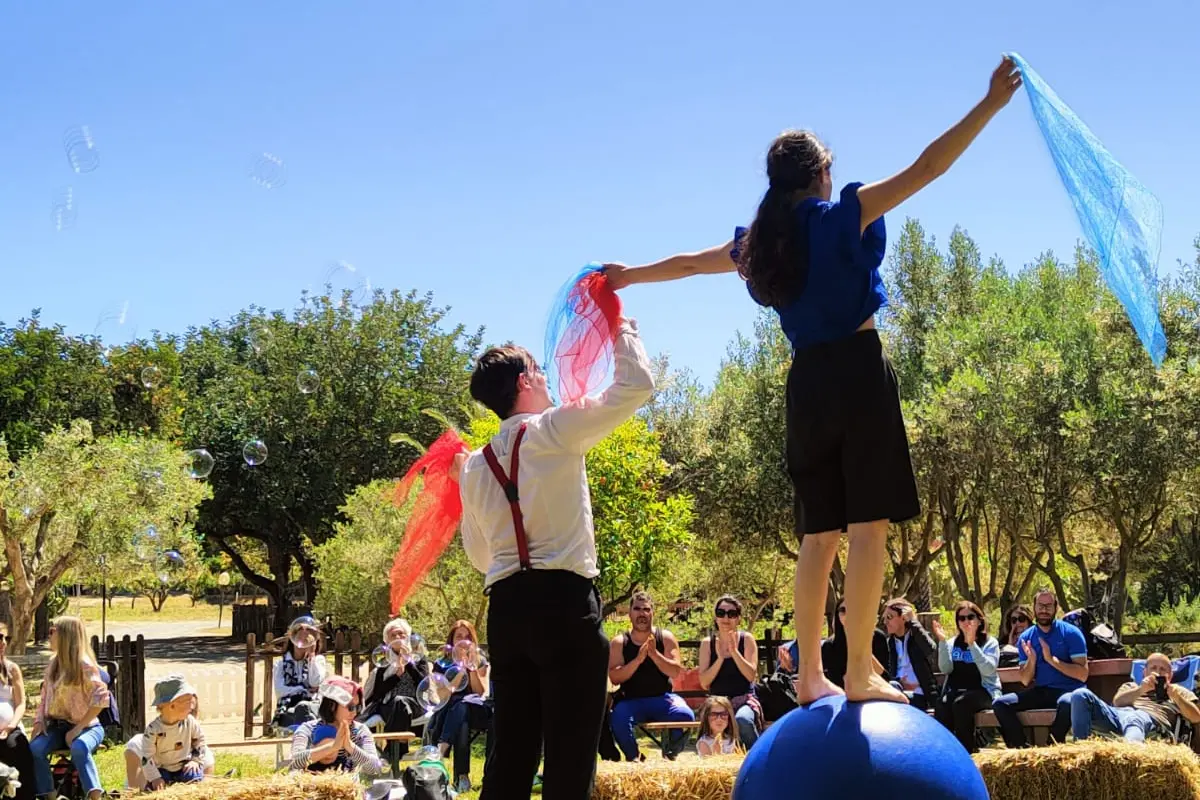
x=527, y=525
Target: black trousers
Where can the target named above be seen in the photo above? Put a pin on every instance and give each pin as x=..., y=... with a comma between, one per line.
x=957, y=712
x=549, y=660
x=15, y=752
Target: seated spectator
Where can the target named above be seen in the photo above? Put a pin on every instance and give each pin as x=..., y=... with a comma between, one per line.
x=911, y=653
x=173, y=743
x=136, y=755
x=469, y=707
x=1016, y=622
x=14, y=744
x=1138, y=709
x=73, y=696
x=1054, y=659
x=729, y=667
x=335, y=740
x=970, y=663
x=833, y=651
x=717, y=736
x=642, y=663
x=391, y=691
x=298, y=674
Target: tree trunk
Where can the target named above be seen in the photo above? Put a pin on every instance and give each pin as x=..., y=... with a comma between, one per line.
x=41, y=622
x=280, y=560
x=22, y=623
x=1120, y=588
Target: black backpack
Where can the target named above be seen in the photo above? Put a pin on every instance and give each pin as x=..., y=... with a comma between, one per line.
x=776, y=694
x=1102, y=641
x=426, y=781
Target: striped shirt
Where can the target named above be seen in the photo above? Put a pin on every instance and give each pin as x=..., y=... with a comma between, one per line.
x=362, y=755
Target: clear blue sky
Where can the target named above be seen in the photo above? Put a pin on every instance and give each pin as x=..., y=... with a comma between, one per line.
x=486, y=150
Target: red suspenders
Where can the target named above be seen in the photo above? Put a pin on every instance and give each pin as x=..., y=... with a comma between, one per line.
x=509, y=484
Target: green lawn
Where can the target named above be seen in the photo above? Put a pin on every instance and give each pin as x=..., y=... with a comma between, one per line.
x=125, y=609
x=111, y=763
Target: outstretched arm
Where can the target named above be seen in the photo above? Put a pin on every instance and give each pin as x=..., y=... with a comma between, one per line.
x=877, y=199
x=706, y=262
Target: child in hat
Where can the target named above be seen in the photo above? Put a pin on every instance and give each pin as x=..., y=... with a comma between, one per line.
x=174, y=742
x=335, y=740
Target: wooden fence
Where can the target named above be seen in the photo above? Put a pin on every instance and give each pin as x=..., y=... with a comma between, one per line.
x=129, y=655
x=248, y=618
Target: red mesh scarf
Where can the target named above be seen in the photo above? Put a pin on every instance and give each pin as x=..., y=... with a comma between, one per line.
x=580, y=334
x=434, y=518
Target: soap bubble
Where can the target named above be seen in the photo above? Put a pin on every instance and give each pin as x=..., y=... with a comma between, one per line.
x=342, y=277
x=81, y=149
x=145, y=543
x=164, y=578
x=308, y=381
x=456, y=677
x=433, y=692
x=416, y=643
x=381, y=656
x=255, y=452
x=62, y=210
x=268, y=171
x=260, y=336
x=200, y=463
x=151, y=376
x=173, y=558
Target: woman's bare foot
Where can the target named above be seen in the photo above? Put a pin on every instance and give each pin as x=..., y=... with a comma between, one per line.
x=812, y=691
x=876, y=688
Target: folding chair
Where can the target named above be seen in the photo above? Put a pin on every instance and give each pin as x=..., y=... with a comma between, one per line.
x=1183, y=673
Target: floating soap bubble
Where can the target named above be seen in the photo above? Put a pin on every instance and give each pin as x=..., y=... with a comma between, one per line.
x=200, y=463
x=456, y=677
x=308, y=381
x=111, y=329
x=81, y=149
x=381, y=656
x=416, y=643
x=268, y=171
x=145, y=543
x=343, y=279
x=151, y=376
x=254, y=452
x=260, y=337
x=433, y=692
x=173, y=558
x=164, y=578
x=63, y=212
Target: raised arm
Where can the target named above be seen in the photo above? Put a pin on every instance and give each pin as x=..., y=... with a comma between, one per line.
x=705, y=262
x=578, y=426
x=877, y=199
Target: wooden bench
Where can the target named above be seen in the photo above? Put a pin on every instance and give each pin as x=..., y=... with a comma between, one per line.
x=1105, y=676
x=655, y=730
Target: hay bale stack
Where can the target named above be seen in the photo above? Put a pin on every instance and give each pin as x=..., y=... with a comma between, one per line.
x=1095, y=769
x=685, y=779
x=281, y=786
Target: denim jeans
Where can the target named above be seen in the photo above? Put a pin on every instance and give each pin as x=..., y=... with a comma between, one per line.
x=81, y=755
x=664, y=708
x=747, y=726
x=1088, y=711
x=1006, y=707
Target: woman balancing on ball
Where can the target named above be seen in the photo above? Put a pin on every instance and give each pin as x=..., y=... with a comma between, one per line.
x=816, y=262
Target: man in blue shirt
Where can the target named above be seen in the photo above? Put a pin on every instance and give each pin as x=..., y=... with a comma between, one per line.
x=1053, y=657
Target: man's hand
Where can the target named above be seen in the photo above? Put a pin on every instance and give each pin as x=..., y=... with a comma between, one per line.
x=1027, y=649
x=1147, y=684
x=938, y=632
x=1047, y=656
x=647, y=648
x=1173, y=693
x=910, y=614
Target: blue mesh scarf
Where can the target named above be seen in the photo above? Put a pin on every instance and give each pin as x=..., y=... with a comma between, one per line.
x=1121, y=219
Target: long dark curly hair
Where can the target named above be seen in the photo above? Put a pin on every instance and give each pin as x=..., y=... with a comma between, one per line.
x=773, y=258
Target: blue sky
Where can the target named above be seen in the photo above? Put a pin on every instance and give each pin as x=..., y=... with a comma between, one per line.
x=485, y=151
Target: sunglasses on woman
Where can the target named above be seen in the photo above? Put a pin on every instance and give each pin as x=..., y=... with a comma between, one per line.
x=1013, y=620
x=732, y=613
x=968, y=617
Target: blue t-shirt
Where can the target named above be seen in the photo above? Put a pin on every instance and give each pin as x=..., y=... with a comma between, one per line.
x=1066, y=644
x=843, y=288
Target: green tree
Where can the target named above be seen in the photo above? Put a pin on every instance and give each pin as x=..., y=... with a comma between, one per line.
x=82, y=497
x=322, y=390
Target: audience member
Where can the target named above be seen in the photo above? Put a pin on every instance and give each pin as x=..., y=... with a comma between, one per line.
x=911, y=654
x=969, y=661
x=717, y=735
x=1138, y=709
x=729, y=667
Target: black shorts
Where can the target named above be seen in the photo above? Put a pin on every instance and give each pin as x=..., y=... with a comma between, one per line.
x=847, y=450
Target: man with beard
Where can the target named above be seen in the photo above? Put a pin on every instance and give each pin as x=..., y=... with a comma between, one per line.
x=642, y=662
x=1053, y=657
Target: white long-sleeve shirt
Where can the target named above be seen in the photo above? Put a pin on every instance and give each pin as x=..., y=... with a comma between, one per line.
x=552, y=480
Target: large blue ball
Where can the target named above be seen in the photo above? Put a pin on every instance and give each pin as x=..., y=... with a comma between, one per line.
x=835, y=749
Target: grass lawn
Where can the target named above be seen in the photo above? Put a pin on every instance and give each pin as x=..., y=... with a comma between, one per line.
x=124, y=609
x=111, y=763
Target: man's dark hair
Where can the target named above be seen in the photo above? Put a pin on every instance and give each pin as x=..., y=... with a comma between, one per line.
x=494, y=381
x=640, y=597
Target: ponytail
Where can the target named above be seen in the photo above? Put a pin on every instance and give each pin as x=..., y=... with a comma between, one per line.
x=774, y=258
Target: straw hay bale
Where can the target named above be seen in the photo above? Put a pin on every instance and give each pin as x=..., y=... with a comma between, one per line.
x=280, y=786
x=1096, y=769
x=685, y=779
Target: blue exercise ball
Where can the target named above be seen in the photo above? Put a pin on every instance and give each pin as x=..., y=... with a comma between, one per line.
x=834, y=749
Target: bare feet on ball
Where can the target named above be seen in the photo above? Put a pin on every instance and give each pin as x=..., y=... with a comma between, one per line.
x=810, y=691
x=876, y=688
